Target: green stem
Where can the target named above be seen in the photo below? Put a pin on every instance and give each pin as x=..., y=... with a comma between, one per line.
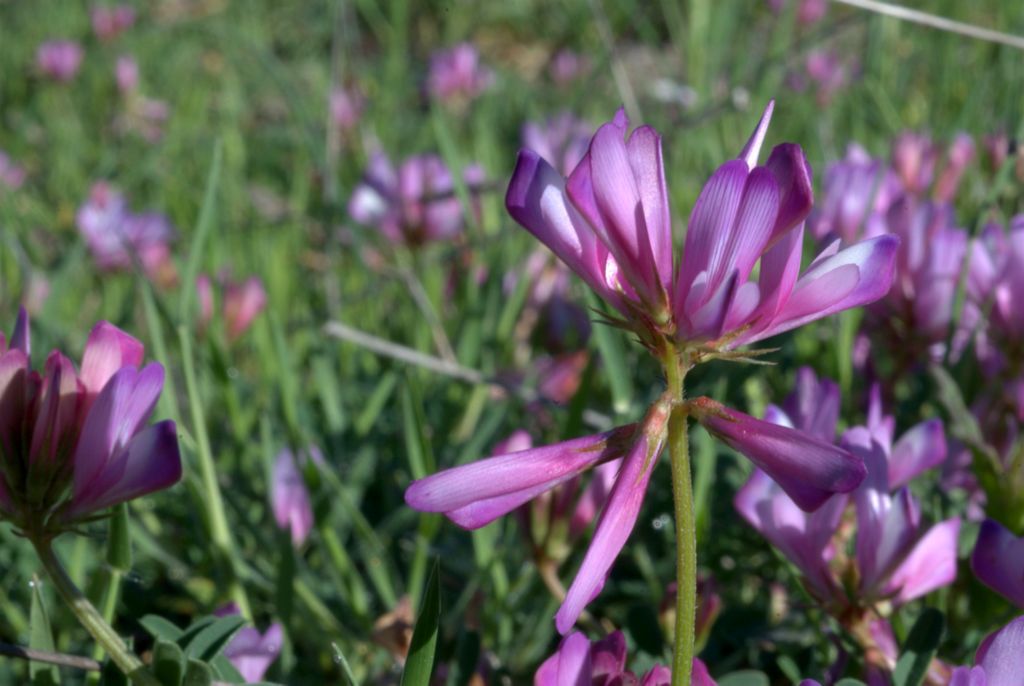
x=686, y=549
x=91, y=619
x=220, y=532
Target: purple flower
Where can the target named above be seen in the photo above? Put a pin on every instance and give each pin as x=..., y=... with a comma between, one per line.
x=59, y=59
x=252, y=652
x=579, y=662
x=959, y=155
x=830, y=73
x=561, y=141
x=109, y=22
x=76, y=442
x=567, y=66
x=415, y=204
x=12, y=174
x=997, y=661
x=117, y=237
x=895, y=558
x=858, y=191
x=456, y=75
x=998, y=561
x=609, y=221
x=290, y=498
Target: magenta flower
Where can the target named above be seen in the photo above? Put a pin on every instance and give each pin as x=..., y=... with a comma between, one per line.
x=859, y=189
x=290, y=498
x=117, y=237
x=252, y=652
x=12, y=175
x=958, y=157
x=457, y=76
x=126, y=72
x=415, y=204
x=610, y=223
x=59, y=59
x=110, y=22
x=997, y=661
x=346, y=107
x=243, y=302
x=567, y=66
x=829, y=72
x=998, y=561
x=579, y=662
x=76, y=442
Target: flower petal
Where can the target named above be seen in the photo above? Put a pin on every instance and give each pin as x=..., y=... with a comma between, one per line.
x=921, y=447
x=644, y=150
x=491, y=487
x=930, y=565
x=613, y=528
x=808, y=469
x=998, y=561
x=793, y=174
x=999, y=654
x=107, y=350
x=148, y=463
x=752, y=150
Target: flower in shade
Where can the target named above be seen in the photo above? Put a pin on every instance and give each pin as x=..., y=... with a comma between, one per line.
x=118, y=237
x=998, y=561
x=346, y=107
x=59, y=59
x=109, y=22
x=414, y=204
x=895, y=557
x=243, y=301
x=457, y=76
x=75, y=442
x=252, y=652
x=12, y=175
x=609, y=221
x=997, y=661
x=290, y=497
x=579, y=662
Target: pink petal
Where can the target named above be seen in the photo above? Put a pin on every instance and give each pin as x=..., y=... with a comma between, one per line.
x=613, y=528
x=793, y=174
x=998, y=561
x=570, y=666
x=107, y=350
x=500, y=482
x=290, y=498
x=660, y=675
x=755, y=218
x=752, y=150
x=59, y=412
x=709, y=228
x=808, y=469
x=930, y=565
x=20, y=339
x=863, y=273
x=644, y=149
x=920, y=448
x=700, y=675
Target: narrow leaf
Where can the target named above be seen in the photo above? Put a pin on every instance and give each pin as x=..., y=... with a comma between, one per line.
x=420, y=663
x=920, y=648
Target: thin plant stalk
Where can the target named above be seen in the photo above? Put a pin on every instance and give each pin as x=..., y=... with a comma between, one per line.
x=90, y=618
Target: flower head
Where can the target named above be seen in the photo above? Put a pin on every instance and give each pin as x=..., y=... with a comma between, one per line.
x=12, y=174
x=289, y=496
x=76, y=442
x=250, y=651
x=109, y=22
x=126, y=73
x=414, y=204
x=346, y=107
x=59, y=59
x=456, y=74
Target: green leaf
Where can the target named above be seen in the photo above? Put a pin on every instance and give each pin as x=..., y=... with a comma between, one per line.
x=420, y=663
x=160, y=628
x=208, y=643
x=920, y=648
x=41, y=638
x=204, y=223
x=850, y=682
x=346, y=670
x=197, y=674
x=168, y=663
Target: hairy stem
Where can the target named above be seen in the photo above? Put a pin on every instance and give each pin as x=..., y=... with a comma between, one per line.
x=91, y=619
